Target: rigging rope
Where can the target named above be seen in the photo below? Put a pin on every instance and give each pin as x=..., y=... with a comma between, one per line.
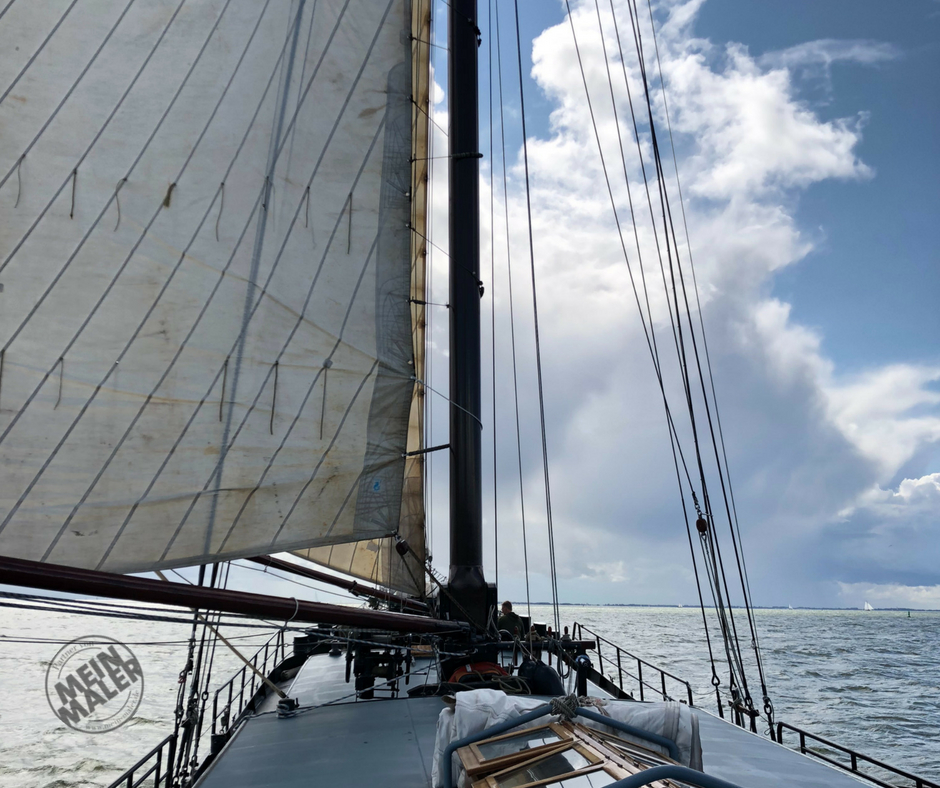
x=512, y=318
x=493, y=301
x=538, y=347
x=715, y=571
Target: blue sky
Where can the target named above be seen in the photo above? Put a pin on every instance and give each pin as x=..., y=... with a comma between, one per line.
x=816, y=248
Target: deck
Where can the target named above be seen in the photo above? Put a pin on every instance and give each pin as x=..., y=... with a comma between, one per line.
x=390, y=743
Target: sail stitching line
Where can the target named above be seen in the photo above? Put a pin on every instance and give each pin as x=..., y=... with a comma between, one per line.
x=104, y=210
x=98, y=388
x=69, y=92
x=296, y=213
x=212, y=384
x=127, y=346
x=277, y=146
x=97, y=136
x=322, y=459
x=38, y=51
x=303, y=403
x=6, y=8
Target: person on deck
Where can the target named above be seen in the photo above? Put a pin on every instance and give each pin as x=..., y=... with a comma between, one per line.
x=509, y=621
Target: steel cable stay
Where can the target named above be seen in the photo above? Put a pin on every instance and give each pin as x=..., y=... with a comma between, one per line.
x=674, y=312
x=673, y=266
x=489, y=42
x=734, y=661
x=649, y=334
x=670, y=229
x=512, y=319
x=535, y=319
x=674, y=441
x=733, y=515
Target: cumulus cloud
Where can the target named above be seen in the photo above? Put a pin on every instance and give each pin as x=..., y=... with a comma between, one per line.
x=807, y=444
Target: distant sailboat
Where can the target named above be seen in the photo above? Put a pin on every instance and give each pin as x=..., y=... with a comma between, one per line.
x=868, y=607
x=789, y=607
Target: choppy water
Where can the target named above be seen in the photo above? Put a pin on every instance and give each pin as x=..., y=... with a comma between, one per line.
x=868, y=680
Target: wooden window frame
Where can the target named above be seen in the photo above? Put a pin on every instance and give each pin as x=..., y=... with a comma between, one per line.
x=621, y=749
x=598, y=762
x=476, y=763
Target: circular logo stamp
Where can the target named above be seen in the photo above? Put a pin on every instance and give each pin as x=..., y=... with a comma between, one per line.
x=94, y=684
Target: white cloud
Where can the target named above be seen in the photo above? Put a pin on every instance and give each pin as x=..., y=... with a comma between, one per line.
x=826, y=51
x=806, y=442
x=890, y=595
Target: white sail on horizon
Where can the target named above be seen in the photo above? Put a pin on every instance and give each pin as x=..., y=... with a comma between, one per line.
x=208, y=345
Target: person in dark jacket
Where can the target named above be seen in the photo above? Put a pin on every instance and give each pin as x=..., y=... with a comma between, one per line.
x=509, y=621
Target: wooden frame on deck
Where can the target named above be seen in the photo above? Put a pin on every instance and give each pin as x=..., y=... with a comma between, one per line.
x=476, y=763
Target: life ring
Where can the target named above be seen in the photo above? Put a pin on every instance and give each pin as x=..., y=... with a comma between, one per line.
x=476, y=671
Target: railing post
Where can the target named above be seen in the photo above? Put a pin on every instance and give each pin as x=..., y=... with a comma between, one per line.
x=620, y=670
x=639, y=673
x=688, y=688
x=802, y=742
x=854, y=762
x=662, y=677
x=170, y=761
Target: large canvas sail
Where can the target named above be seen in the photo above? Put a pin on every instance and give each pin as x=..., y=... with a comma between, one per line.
x=377, y=560
x=207, y=267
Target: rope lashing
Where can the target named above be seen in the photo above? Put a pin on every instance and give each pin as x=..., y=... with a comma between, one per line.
x=169, y=195
x=221, y=206
x=566, y=706
x=74, y=181
x=117, y=201
x=19, y=179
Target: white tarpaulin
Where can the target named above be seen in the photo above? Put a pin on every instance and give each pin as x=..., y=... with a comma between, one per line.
x=477, y=710
x=208, y=345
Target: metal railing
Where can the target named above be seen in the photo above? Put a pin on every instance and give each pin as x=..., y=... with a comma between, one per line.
x=240, y=690
x=161, y=768
x=620, y=661
x=854, y=758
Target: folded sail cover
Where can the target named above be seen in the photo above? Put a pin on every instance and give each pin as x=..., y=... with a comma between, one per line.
x=209, y=345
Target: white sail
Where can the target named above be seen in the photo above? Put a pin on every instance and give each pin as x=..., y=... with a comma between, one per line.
x=377, y=560
x=206, y=261
x=868, y=606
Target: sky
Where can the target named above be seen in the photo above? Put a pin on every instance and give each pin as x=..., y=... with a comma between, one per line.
x=806, y=141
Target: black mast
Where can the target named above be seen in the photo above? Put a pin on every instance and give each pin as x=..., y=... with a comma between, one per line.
x=467, y=585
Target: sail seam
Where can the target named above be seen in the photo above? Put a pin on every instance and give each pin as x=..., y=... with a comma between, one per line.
x=212, y=385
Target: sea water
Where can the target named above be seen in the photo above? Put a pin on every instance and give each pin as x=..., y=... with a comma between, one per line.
x=869, y=680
